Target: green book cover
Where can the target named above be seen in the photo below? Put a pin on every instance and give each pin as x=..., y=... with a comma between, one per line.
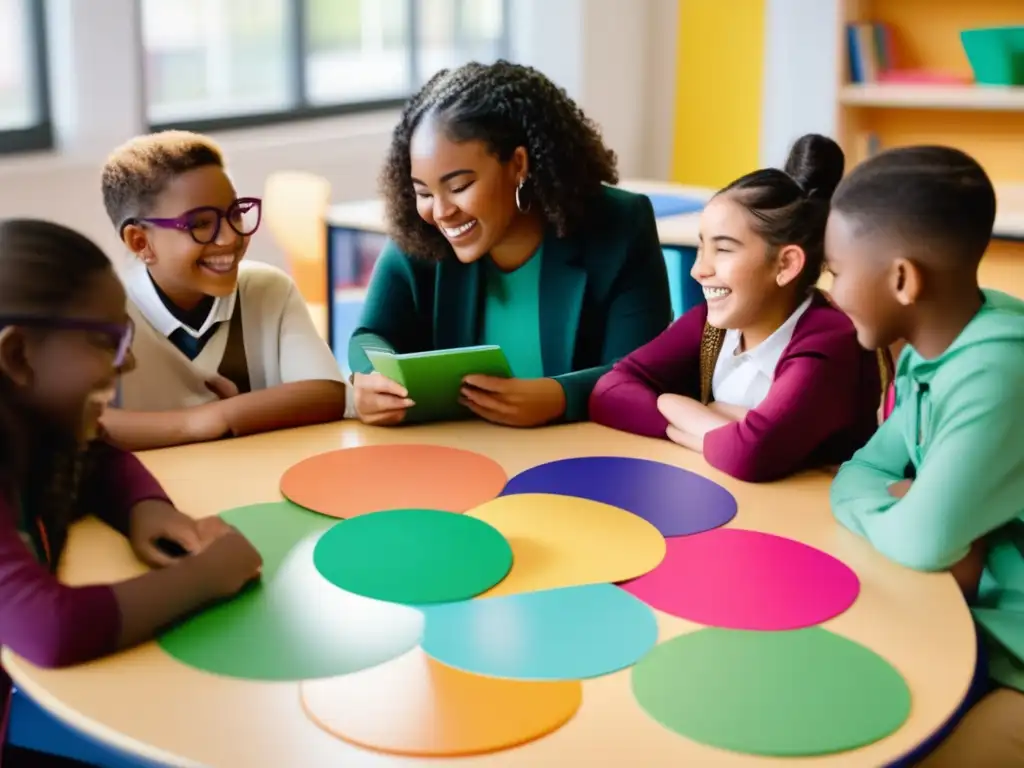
x=434, y=378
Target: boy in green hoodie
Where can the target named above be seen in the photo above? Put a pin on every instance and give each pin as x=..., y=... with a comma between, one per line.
x=941, y=484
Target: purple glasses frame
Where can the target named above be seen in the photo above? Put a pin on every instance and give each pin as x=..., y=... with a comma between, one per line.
x=121, y=334
x=184, y=222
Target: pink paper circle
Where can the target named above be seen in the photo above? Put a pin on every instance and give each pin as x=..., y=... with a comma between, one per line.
x=739, y=579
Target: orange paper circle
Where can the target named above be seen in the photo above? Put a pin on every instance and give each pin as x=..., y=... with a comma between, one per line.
x=373, y=478
x=416, y=706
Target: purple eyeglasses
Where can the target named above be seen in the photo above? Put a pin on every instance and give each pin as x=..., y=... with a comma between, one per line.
x=203, y=224
x=120, y=334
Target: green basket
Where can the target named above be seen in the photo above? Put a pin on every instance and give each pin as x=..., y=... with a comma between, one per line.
x=996, y=54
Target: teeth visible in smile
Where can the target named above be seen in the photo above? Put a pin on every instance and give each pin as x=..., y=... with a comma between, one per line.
x=455, y=232
x=218, y=263
x=716, y=293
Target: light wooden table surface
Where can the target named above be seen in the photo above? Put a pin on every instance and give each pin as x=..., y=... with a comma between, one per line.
x=151, y=705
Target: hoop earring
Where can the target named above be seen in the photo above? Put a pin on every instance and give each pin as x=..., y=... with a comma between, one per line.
x=519, y=201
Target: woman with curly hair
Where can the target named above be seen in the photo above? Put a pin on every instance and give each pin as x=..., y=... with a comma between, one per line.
x=504, y=231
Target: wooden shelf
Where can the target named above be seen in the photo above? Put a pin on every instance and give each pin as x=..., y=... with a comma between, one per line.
x=963, y=97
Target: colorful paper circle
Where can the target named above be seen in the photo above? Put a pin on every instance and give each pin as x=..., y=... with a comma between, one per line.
x=561, y=634
x=292, y=625
x=747, y=580
x=414, y=556
x=417, y=706
x=786, y=694
x=673, y=500
x=564, y=541
x=355, y=481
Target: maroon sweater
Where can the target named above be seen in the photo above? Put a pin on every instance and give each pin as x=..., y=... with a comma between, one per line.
x=47, y=622
x=822, y=405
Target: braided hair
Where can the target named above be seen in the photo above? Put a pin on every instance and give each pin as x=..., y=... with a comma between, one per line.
x=506, y=106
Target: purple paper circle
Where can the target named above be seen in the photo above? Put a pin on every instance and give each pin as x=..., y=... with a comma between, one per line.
x=738, y=579
x=673, y=500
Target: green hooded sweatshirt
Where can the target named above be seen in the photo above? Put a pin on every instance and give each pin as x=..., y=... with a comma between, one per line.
x=959, y=420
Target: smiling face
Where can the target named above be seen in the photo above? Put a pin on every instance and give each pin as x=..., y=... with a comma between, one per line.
x=863, y=283
x=184, y=269
x=464, y=190
x=68, y=375
x=743, y=281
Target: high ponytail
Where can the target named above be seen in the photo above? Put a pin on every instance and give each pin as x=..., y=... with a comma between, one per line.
x=790, y=206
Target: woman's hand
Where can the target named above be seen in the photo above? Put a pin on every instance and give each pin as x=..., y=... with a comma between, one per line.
x=379, y=400
x=513, y=402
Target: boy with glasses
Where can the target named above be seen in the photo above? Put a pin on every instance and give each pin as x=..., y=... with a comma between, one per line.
x=223, y=347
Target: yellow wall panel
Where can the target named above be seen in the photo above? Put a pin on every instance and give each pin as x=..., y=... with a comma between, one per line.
x=719, y=73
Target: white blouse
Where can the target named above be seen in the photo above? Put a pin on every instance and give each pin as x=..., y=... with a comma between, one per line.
x=744, y=379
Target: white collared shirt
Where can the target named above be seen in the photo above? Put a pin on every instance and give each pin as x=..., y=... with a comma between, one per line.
x=144, y=296
x=282, y=344
x=744, y=379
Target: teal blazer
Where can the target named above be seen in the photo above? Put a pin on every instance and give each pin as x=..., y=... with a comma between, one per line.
x=603, y=293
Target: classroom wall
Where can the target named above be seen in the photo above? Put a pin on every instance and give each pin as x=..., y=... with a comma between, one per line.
x=751, y=77
x=614, y=56
x=801, y=77
x=719, y=66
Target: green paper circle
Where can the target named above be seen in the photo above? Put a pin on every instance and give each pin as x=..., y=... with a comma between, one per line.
x=292, y=624
x=414, y=556
x=797, y=693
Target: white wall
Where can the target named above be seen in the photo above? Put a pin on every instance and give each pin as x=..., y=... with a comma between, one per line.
x=620, y=69
x=801, y=75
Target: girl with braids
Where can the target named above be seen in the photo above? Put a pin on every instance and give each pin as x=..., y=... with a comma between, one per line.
x=504, y=232
x=767, y=377
x=64, y=339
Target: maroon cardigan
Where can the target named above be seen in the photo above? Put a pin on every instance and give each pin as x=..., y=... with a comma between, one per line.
x=822, y=405
x=49, y=623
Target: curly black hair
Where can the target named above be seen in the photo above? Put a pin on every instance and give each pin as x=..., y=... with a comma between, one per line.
x=138, y=171
x=507, y=106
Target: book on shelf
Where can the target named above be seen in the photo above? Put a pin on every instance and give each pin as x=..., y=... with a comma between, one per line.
x=870, y=49
x=872, y=58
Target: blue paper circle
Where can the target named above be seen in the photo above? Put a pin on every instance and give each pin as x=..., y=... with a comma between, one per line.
x=559, y=634
x=673, y=500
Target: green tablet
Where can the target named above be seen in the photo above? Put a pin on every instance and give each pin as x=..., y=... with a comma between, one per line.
x=434, y=378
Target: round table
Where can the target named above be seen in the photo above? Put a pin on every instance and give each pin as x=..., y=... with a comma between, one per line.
x=148, y=704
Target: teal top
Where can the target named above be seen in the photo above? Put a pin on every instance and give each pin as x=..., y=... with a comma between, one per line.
x=959, y=421
x=511, y=315
x=602, y=292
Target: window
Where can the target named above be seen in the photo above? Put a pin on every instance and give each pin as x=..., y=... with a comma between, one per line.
x=230, y=63
x=24, y=101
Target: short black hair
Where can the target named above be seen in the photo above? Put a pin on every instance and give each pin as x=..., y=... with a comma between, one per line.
x=791, y=206
x=138, y=171
x=507, y=106
x=938, y=200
